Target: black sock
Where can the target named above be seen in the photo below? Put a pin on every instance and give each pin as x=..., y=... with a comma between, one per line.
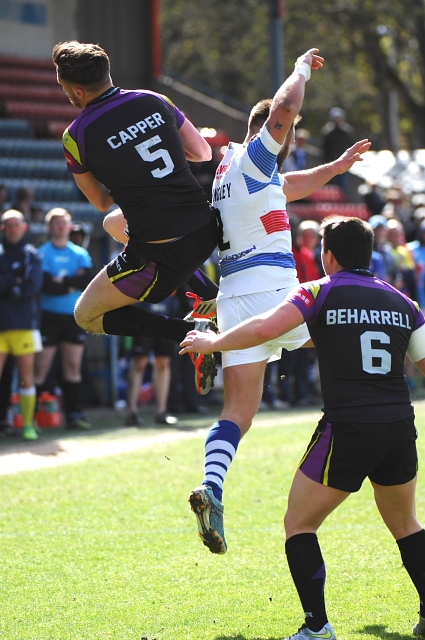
x=134, y=321
x=202, y=285
x=309, y=575
x=412, y=551
x=71, y=394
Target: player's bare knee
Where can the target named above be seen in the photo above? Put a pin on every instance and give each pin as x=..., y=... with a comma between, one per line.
x=242, y=419
x=81, y=317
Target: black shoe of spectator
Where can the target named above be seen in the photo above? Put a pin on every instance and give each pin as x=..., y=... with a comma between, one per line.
x=164, y=418
x=134, y=420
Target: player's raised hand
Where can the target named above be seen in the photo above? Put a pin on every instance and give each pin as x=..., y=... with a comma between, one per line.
x=352, y=154
x=198, y=342
x=312, y=58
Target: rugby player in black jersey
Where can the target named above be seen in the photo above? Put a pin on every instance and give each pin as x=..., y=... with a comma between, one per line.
x=131, y=148
x=362, y=329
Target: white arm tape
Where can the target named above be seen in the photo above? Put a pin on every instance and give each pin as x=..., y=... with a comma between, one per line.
x=304, y=69
x=416, y=348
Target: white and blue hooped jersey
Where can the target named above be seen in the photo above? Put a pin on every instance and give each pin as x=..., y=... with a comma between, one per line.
x=256, y=245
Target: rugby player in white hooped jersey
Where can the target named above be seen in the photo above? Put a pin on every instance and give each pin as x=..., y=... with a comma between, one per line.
x=257, y=270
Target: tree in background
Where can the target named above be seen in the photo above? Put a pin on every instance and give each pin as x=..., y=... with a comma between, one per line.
x=373, y=49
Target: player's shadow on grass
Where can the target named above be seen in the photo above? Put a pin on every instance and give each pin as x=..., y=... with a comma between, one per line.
x=380, y=631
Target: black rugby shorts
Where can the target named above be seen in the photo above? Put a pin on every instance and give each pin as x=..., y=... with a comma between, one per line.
x=342, y=454
x=150, y=272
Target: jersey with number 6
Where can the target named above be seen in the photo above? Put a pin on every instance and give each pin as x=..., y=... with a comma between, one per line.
x=362, y=329
x=129, y=140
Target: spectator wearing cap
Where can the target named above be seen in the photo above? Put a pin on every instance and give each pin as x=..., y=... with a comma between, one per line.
x=337, y=136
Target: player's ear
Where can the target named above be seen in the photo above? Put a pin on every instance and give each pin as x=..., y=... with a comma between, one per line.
x=330, y=256
x=80, y=92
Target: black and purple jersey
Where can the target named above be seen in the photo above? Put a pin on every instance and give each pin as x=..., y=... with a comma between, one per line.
x=129, y=140
x=361, y=327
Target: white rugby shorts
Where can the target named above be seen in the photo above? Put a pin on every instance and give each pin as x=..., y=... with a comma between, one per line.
x=231, y=311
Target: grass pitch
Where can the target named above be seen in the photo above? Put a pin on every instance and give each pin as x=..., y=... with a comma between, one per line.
x=107, y=548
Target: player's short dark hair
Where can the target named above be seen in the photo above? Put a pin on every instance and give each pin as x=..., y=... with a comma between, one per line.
x=349, y=239
x=259, y=114
x=82, y=63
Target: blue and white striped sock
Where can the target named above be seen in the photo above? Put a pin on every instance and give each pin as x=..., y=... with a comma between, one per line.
x=220, y=449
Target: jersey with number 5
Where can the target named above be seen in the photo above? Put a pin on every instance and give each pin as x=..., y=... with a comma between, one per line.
x=129, y=140
x=362, y=329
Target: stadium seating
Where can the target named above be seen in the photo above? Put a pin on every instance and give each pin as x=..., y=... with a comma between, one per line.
x=34, y=168
x=319, y=210
x=15, y=128
x=35, y=109
x=27, y=76
x=9, y=61
x=55, y=128
x=328, y=193
x=29, y=147
x=40, y=110
x=327, y=201
x=29, y=90
x=33, y=93
x=49, y=190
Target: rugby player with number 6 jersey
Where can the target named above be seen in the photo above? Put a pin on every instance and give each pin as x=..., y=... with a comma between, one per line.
x=131, y=148
x=362, y=328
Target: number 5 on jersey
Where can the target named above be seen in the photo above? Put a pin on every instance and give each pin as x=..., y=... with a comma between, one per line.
x=143, y=149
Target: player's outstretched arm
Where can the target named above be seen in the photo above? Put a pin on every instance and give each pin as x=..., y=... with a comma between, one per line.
x=289, y=97
x=300, y=184
x=250, y=333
